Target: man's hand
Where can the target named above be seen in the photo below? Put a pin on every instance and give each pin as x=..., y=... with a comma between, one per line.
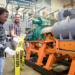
x=16, y=39
x=24, y=35
x=9, y=51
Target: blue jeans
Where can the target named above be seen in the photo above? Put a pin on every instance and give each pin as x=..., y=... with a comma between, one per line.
x=2, y=61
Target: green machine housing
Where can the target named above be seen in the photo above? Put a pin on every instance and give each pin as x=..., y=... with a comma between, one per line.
x=34, y=34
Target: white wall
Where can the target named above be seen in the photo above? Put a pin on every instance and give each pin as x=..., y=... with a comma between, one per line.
x=2, y=1
x=58, y=4
x=68, y=2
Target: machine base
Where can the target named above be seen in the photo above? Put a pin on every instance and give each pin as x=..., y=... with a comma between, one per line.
x=40, y=69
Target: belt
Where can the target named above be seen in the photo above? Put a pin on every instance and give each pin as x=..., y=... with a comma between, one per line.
x=2, y=53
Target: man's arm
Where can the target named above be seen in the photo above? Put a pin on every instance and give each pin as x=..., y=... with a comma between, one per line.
x=12, y=33
x=7, y=50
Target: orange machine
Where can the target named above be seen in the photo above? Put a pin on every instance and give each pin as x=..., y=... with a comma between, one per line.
x=44, y=50
x=60, y=39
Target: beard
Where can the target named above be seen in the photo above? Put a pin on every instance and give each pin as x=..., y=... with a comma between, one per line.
x=16, y=21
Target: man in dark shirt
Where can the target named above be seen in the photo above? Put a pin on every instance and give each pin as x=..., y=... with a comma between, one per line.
x=3, y=18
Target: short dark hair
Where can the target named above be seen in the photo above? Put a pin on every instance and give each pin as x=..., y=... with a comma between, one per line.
x=17, y=14
x=2, y=10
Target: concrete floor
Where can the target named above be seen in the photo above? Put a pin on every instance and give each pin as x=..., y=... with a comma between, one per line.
x=9, y=66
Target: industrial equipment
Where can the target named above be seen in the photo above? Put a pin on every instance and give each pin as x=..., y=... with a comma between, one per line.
x=34, y=34
x=58, y=44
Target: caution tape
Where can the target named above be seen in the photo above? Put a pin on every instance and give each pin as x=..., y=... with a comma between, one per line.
x=18, y=65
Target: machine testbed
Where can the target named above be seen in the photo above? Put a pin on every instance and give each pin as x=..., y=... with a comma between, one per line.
x=57, y=43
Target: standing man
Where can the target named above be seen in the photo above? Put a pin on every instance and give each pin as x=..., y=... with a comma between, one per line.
x=3, y=18
x=15, y=30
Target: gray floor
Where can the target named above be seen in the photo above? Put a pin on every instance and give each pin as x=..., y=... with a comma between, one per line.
x=8, y=69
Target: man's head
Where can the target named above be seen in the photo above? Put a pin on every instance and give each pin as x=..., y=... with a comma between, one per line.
x=3, y=15
x=17, y=18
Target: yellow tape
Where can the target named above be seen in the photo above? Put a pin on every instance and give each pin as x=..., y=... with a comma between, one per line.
x=12, y=59
x=20, y=47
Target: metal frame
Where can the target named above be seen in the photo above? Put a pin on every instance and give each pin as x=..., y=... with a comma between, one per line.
x=44, y=50
x=41, y=70
x=7, y=4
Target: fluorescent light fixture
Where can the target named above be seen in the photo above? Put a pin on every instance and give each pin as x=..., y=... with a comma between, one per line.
x=24, y=1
